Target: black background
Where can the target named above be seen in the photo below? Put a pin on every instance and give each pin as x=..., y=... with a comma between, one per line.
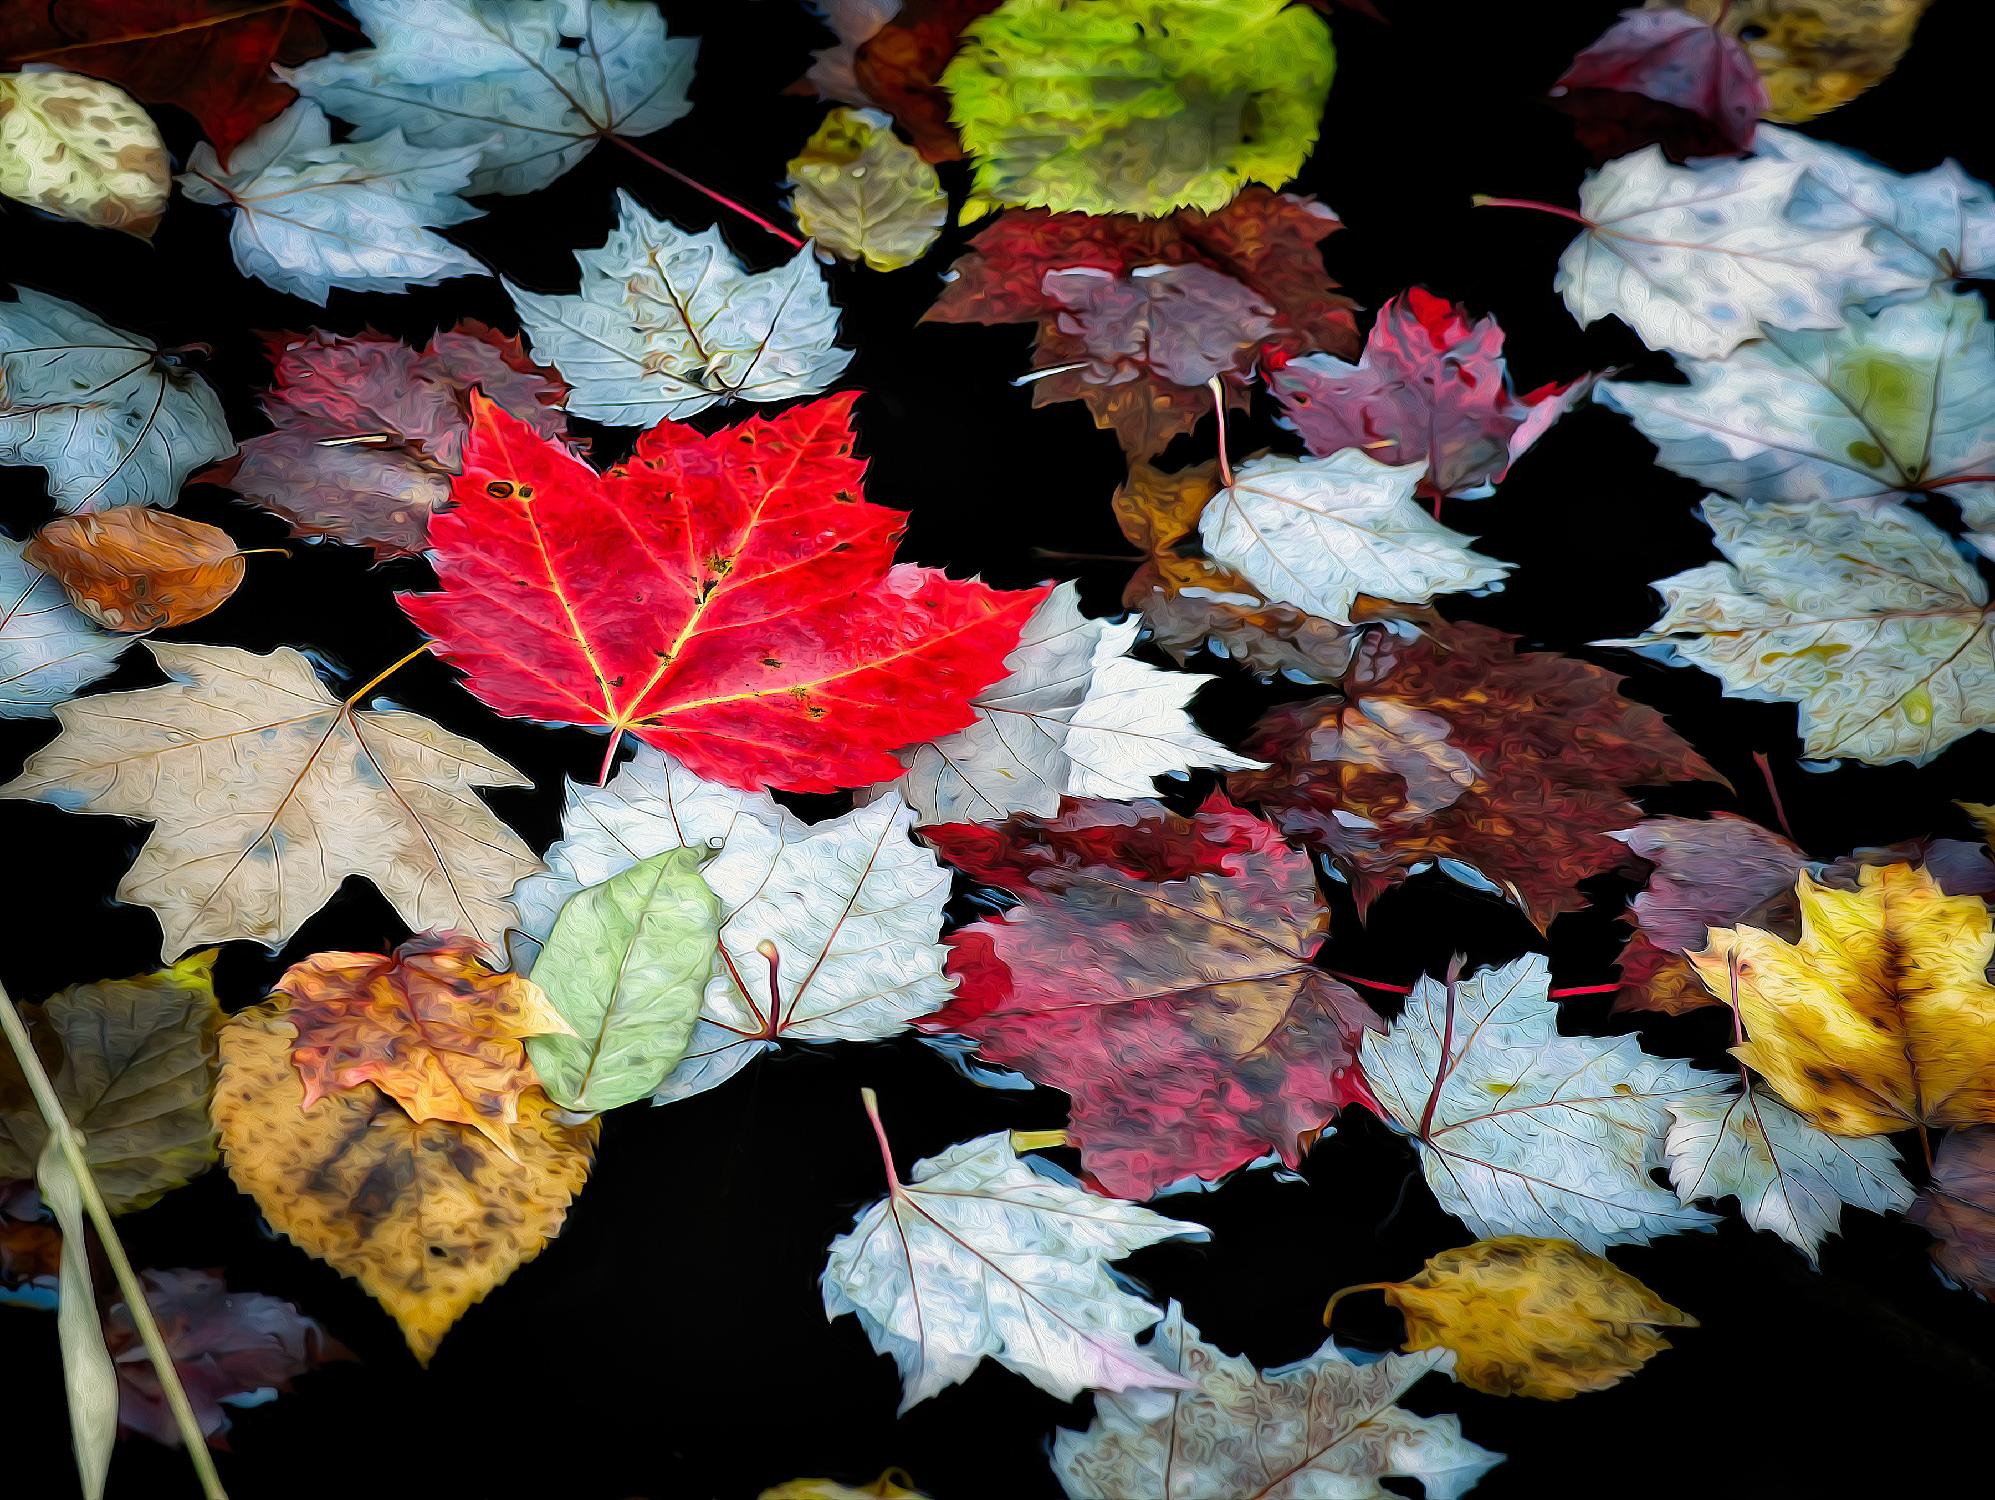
x=672, y=1342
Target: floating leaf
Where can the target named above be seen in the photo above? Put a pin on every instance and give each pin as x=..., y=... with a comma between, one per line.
x=978, y=1255
x=113, y=418
x=1815, y=57
x=81, y=149
x=862, y=195
x=1881, y=1017
x=89, y=1380
x=1958, y=1208
x=1667, y=77
x=133, y=1062
x=134, y=568
x=267, y=792
x=427, y=1217
x=830, y=75
x=49, y=650
x=533, y=87
x=889, y=1486
x=1326, y=1426
x=1475, y=1070
x=1138, y=106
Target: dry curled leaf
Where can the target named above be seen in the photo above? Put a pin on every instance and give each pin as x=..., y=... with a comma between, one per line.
x=427, y=1216
x=134, y=568
x=1531, y=1317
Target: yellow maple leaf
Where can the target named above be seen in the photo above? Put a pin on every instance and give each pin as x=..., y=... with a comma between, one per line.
x=1881, y=1017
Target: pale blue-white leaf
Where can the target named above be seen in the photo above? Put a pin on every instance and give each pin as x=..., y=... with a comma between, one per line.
x=311, y=216
x=533, y=84
x=666, y=324
x=49, y=649
x=113, y=418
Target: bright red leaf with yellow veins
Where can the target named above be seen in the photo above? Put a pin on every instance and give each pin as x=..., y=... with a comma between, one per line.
x=731, y=599
x=1158, y=969
x=211, y=57
x=430, y=1026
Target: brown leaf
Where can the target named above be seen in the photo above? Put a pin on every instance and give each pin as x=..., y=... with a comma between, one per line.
x=1958, y=1208
x=900, y=66
x=133, y=568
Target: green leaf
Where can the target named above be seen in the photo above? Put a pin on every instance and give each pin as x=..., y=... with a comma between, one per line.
x=87, y=1373
x=1138, y=106
x=626, y=966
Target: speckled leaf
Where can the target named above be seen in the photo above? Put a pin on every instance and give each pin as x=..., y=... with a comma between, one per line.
x=266, y=792
x=1790, y=1178
x=979, y=1256
x=1137, y=106
x=113, y=418
x=1815, y=57
x=1867, y=619
x=863, y=195
x=133, y=1062
x=133, y=568
x=81, y=149
x=49, y=650
x=427, y=1217
x=668, y=323
x=1316, y=533
x=1325, y=1428
x=311, y=215
x=532, y=84
x=1522, y=1130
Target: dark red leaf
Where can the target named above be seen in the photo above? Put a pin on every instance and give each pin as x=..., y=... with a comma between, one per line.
x=1664, y=76
x=900, y=64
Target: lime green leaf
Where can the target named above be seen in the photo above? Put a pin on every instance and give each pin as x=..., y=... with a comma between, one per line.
x=626, y=966
x=1138, y=106
x=864, y=194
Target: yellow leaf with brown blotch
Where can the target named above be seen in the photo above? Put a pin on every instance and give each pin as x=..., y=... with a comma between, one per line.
x=1814, y=55
x=82, y=149
x=1532, y=1317
x=1881, y=1017
x=134, y=568
x=427, y=1216
x=892, y=1485
x=430, y=1026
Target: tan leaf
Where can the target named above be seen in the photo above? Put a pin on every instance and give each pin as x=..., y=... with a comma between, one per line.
x=134, y=568
x=863, y=194
x=267, y=792
x=83, y=149
x=1815, y=55
x=427, y=1216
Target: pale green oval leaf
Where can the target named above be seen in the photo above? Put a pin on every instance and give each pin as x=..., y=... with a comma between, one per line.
x=82, y=149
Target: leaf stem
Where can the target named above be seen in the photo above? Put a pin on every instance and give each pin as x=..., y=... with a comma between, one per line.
x=261, y=551
x=609, y=756
x=71, y=1143
x=1407, y=989
x=699, y=187
x=1330, y=1307
x=1773, y=791
x=1926, y=1148
x=1483, y=200
x=385, y=673
x=872, y=1102
x=1219, y=411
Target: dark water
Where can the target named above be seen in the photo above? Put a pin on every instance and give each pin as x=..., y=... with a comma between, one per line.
x=672, y=1342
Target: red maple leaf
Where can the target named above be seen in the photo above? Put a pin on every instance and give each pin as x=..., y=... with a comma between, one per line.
x=1452, y=744
x=1668, y=77
x=1432, y=387
x=210, y=57
x=731, y=599
x=1265, y=244
x=1158, y=969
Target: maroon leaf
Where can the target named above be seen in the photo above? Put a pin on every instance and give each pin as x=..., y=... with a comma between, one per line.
x=1958, y=1208
x=1664, y=76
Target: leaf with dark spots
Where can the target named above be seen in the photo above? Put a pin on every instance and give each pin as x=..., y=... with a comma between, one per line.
x=1169, y=990
x=1452, y=745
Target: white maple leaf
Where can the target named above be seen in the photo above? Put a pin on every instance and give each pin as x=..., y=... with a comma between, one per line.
x=1868, y=619
x=1935, y=225
x=112, y=417
x=1074, y=716
x=1318, y=532
x=533, y=84
x=1789, y=1177
x=1897, y=401
x=311, y=216
x=667, y=323
x=978, y=1255
x=49, y=650
x=1522, y=1130
x=1699, y=259
x=1323, y=1428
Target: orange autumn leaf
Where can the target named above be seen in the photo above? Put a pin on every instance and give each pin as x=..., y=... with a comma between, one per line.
x=430, y=1026
x=133, y=568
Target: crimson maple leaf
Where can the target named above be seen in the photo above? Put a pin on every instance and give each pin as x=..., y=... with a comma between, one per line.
x=1450, y=744
x=731, y=599
x=1432, y=388
x=1158, y=968
x=1262, y=251
x=370, y=431
x=211, y=57
x=1664, y=76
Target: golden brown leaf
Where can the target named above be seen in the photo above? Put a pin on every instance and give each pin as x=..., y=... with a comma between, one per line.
x=1531, y=1317
x=133, y=1061
x=430, y=1026
x=1881, y=1017
x=427, y=1217
x=892, y=1485
x=1815, y=55
x=134, y=568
